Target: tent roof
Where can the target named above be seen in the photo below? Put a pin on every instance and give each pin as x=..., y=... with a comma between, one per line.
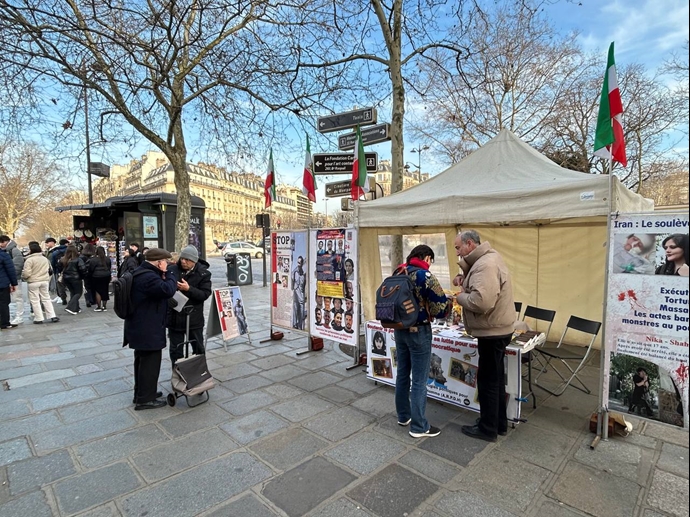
x=505, y=180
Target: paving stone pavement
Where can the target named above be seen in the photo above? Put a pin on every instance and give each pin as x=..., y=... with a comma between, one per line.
x=294, y=435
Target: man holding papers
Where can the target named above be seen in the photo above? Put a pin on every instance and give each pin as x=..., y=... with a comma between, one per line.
x=194, y=284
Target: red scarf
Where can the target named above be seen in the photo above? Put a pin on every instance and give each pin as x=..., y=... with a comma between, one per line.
x=416, y=262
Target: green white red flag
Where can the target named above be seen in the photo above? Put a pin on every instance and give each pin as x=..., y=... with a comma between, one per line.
x=270, y=184
x=360, y=183
x=608, y=139
x=309, y=180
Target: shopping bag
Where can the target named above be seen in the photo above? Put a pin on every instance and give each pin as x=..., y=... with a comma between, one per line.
x=193, y=370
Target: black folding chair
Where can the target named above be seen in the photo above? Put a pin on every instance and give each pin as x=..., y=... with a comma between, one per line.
x=569, y=353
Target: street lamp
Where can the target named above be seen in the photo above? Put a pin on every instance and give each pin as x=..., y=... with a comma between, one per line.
x=419, y=161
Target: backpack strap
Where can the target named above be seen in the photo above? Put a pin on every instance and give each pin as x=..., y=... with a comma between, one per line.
x=409, y=271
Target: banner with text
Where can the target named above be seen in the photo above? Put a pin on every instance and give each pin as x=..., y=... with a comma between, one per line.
x=229, y=309
x=647, y=316
x=289, y=280
x=333, y=253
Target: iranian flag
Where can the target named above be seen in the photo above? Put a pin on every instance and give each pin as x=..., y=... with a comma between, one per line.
x=608, y=140
x=309, y=180
x=270, y=185
x=360, y=183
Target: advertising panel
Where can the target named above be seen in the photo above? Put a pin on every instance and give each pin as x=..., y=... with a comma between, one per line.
x=289, y=280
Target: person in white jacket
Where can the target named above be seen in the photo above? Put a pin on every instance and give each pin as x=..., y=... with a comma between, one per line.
x=36, y=273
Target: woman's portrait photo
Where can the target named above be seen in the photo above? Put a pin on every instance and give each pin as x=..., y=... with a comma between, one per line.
x=378, y=343
x=677, y=255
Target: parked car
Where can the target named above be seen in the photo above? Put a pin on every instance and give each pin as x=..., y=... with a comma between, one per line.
x=267, y=242
x=243, y=247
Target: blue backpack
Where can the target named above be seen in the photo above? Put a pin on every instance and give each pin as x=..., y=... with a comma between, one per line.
x=396, y=304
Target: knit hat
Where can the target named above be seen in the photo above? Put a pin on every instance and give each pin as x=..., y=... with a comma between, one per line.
x=190, y=253
x=157, y=254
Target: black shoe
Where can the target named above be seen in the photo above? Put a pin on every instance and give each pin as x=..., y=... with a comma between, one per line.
x=9, y=327
x=55, y=319
x=474, y=432
x=159, y=394
x=36, y=322
x=154, y=404
x=502, y=432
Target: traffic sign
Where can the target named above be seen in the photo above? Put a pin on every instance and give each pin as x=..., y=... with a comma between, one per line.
x=347, y=120
x=341, y=163
x=370, y=135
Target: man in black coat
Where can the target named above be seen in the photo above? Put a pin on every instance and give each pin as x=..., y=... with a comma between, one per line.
x=194, y=281
x=152, y=287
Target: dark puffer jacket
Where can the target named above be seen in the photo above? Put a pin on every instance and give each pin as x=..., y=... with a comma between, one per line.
x=145, y=328
x=75, y=269
x=199, y=280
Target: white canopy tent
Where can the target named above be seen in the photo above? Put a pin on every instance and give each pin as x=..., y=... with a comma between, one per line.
x=549, y=224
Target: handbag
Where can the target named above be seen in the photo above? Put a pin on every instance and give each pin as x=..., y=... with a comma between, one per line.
x=193, y=370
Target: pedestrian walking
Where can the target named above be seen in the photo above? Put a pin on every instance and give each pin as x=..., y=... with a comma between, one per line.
x=36, y=274
x=18, y=260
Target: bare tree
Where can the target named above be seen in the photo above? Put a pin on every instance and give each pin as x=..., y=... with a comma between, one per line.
x=29, y=181
x=46, y=222
x=165, y=69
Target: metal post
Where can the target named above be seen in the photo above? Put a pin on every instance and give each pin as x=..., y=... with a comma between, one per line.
x=88, y=143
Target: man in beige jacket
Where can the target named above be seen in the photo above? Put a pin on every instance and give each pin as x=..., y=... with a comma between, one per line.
x=486, y=297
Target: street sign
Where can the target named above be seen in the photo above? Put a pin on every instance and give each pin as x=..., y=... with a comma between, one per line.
x=347, y=204
x=341, y=163
x=339, y=188
x=347, y=120
x=99, y=169
x=370, y=135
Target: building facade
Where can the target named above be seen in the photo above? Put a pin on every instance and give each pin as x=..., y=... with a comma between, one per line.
x=232, y=199
x=384, y=174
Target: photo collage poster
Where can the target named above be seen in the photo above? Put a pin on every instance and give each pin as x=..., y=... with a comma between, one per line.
x=231, y=313
x=647, y=316
x=334, y=287
x=289, y=280
x=453, y=371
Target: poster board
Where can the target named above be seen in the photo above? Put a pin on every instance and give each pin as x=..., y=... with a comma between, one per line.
x=334, y=286
x=227, y=315
x=454, y=366
x=290, y=280
x=647, y=318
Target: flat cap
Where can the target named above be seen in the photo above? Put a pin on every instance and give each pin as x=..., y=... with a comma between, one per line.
x=157, y=254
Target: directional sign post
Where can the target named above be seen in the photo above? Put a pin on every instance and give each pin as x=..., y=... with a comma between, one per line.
x=370, y=135
x=339, y=188
x=341, y=163
x=347, y=120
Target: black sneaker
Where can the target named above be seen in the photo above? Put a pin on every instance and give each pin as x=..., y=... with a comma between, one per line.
x=432, y=431
x=36, y=322
x=9, y=327
x=55, y=319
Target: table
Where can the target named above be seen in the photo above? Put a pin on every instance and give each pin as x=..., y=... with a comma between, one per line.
x=454, y=365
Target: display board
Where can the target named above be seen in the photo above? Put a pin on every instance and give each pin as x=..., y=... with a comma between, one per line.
x=333, y=285
x=227, y=316
x=647, y=316
x=290, y=280
x=454, y=366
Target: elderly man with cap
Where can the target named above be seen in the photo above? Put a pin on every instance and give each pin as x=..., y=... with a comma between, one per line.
x=632, y=255
x=152, y=286
x=193, y=281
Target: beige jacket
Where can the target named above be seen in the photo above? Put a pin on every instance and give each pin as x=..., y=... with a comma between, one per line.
x=487, y=297
x=36, y=269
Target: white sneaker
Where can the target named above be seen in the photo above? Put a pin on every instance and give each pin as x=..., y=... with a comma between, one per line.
x=17, y=321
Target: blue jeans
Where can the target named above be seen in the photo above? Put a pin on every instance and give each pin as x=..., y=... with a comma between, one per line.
x=414, y=357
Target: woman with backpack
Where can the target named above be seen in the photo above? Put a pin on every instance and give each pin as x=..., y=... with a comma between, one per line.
x=88, y=251
x=73, y=273
x=99, y=275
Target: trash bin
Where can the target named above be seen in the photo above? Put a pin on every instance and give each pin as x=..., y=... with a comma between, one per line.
x=239, y=269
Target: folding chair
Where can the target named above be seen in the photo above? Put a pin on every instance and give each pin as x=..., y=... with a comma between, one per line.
x=564, y=354
x=518, y=308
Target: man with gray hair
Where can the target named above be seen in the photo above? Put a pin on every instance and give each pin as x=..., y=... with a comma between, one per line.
x=486, y=296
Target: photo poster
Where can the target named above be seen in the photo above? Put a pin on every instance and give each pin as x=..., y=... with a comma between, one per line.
x=334, y=285
x=195, y=232
x=150, y=227
x=290, y=280
x=231, y=316
x=647, y=316
x=453, y=371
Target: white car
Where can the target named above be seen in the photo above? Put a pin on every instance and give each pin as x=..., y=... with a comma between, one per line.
x=242, y=247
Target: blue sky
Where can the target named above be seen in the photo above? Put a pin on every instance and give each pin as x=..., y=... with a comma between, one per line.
x=644, y=31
